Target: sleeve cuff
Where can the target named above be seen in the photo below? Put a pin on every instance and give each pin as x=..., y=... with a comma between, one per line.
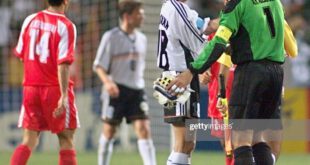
x=193, y=70
x=65, y=60
x=18, y=54
x=96, y=65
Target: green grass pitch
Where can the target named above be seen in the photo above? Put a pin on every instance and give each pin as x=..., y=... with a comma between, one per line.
x=120, y=158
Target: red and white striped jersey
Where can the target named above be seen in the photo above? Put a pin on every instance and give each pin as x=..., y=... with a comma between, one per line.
x=46, y=40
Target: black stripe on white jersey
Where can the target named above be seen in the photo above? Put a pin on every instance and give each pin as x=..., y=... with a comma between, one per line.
x=183, y=9
x=187, y=54
x=194, y=98
x=186, y=21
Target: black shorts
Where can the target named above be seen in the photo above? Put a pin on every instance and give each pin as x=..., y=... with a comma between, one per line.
x=190, y=110
x=256, y=91
x=276, y=118
x=131, y=104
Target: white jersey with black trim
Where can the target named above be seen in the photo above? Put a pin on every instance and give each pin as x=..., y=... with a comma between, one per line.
x=179, y=39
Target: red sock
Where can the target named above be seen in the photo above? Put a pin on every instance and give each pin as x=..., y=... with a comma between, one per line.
x=21, y=155
x=67, y=157
x=229, y=160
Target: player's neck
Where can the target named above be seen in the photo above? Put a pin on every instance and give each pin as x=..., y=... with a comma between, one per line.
x=60, y=10
x=127, y=28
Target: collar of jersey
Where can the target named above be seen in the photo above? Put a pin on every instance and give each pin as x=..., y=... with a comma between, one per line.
x=53, y=13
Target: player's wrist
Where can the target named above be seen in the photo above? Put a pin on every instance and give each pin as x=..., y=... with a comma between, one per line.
x=192, y=70
x=108, y=82
x=219, y=96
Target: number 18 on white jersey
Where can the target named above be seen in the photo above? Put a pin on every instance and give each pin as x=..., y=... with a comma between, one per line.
x=179, y=39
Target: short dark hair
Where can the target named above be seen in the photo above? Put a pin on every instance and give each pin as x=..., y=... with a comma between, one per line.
x=128, y=6
x=55, y=2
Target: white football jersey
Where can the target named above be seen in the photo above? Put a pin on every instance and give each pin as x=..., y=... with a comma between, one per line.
x=123, y=57
x=179, y=39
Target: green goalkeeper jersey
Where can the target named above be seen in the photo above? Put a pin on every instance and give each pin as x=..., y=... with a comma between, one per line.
x=254, y=29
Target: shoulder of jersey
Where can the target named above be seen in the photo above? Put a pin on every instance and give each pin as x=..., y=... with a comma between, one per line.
x=141, y=34
x=113, y=31
x=231, y=5
x=168, y=4
x=30, y=17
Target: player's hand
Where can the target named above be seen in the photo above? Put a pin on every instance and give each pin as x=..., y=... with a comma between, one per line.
x=223, y=108
x=61, y=107
x=112, y=89
x=212, y=26
x=180, y=82
x=205, y=77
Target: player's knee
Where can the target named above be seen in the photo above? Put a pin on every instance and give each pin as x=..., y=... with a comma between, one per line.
x=30, y=138
x=66, y=143
x=109, y=131
x=143, y=130
x=31, y=142
x=189, y=147
x=242, y=138
x=185, y=147
x=109, y=134
x=65, y=140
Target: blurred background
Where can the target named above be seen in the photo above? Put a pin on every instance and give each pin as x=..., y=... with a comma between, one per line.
x=93, y=18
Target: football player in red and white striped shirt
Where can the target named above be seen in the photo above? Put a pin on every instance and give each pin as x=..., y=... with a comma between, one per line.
x=46, y=47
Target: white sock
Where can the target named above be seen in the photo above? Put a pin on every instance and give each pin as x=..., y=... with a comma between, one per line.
x=147, y=151
x=180, y=158
x=169, y=161
x=105, y=150
x=274, y=158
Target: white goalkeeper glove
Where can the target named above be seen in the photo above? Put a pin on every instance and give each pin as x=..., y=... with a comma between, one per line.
x=164, y=97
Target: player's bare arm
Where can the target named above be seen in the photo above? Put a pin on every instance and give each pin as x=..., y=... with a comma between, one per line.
x=63, y=78
x=109, y=84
